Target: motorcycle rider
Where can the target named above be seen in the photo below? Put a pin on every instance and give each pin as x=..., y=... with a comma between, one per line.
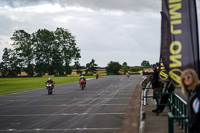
x=97, y=75
x=49, y=80
x=82, y=77
x=128, y=74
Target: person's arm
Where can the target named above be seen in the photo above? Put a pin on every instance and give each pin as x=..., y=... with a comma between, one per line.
x=196, y=101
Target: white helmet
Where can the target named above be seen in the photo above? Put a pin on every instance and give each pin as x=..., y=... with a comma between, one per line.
x=82, y=76
x=49, y=78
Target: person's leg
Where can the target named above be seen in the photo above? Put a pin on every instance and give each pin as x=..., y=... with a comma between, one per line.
x=164, y=100
x=154, y=93
x=159, y=90
x=155, y=97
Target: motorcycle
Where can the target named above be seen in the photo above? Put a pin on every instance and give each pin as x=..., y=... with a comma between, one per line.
x=49, y=88
x=82, y=84
x=128, y=75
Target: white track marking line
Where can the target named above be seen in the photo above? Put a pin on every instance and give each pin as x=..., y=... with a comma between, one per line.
x=67, y=129
x=63, y=105
x=64, y=114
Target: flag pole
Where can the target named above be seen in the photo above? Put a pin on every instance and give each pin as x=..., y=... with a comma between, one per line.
x=197, y=40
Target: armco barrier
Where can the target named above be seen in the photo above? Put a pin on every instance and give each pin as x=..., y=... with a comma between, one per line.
x=86, y=74
x=169, y=103
x=145, y=88
x=177, y=106
x=109, y=73
x=144, y=92
x=178, y=112
x=171, y=119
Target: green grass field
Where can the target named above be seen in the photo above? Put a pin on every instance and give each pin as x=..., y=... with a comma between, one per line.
x=12, y=85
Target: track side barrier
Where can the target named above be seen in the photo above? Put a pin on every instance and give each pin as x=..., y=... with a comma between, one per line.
x=145, y=91
x=169, y=103
x=178, y=112
x=146, y=86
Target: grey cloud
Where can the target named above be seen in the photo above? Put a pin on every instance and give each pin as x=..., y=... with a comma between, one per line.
x=98, y=33
x=127, y=5
x=6, y=25
x=19, y=3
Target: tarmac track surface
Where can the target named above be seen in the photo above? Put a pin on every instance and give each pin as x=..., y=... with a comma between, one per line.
x=100, y=108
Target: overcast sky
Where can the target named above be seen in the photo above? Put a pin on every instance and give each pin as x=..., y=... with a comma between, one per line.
x=105, y=30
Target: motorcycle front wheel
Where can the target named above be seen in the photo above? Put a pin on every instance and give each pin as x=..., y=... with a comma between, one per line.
x=82, y=86
x=50, y=92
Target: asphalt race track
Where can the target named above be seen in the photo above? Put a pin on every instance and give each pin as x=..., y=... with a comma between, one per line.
x=100, y=108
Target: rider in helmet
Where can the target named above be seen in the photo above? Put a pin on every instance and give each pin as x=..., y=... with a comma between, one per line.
x=128, y=74
x=97, y=75
x=82, y=77
x=49, y=80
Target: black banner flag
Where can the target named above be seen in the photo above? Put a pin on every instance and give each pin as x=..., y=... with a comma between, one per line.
x=179, y=37
x=163, y=75
x=165, y=42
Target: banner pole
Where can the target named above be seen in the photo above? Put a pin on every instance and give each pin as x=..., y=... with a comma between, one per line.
x=197, y=39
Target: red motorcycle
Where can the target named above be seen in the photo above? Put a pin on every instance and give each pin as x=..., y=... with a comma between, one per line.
x=82, y=84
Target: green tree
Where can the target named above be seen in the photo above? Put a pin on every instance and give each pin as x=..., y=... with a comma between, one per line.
x=10, y=65
x=136, y=68
x=5, y=64
x=145, y=63
x=91, y=66
x=77, y=66
x=113, y=67
x=24, y=49
x=67, y=46
x=30, y=69
x=43, y=51
x=125, y=68
x=43, y=41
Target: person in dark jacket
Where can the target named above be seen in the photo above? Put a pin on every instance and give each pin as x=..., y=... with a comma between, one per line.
x=191, y=87
x=169, y=87
x=156, y=84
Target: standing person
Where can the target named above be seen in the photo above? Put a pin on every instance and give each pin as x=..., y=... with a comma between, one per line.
x=191, y=88
x=169, y=87
x=156, y=84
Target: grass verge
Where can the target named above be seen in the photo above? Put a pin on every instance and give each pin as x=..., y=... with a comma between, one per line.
x=13, y=85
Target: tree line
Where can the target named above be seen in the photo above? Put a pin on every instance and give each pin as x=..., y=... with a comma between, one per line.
x=50, y=52
x=42, y=52
x=113, y=67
